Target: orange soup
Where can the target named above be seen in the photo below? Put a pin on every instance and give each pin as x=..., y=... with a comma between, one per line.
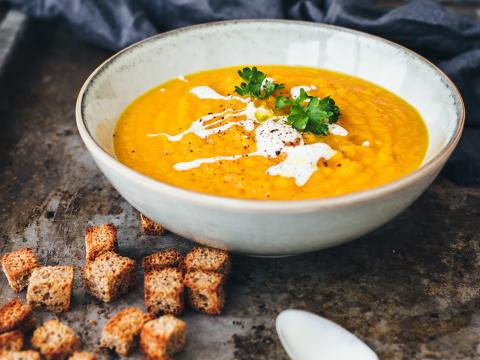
x=196, y=132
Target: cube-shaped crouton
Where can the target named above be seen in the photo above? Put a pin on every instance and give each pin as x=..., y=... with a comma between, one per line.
x=100, y=239
x=164, y=291
x=50, y=288
x=162, y=259
x=17, y=266
x=205, y=291
x=121, y=331
x=162, y=337
x=16, y=316
x=82, y=355
x=20, y=355
x=109, y=276
x=54, y=340
x=11, y=341
x=150, y=227
x=208, y=259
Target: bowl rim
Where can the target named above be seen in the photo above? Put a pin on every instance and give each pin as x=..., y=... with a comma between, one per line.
x=354, y=198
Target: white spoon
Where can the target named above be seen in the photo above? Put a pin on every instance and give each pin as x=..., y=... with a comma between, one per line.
x=306, y=336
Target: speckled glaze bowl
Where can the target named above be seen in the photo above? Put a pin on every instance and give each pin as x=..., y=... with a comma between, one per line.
x=267, y=228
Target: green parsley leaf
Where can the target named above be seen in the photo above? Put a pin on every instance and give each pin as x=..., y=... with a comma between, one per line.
x=252, y=85
x=314, y=117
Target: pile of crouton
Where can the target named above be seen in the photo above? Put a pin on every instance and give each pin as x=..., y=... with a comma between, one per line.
x=169, y=279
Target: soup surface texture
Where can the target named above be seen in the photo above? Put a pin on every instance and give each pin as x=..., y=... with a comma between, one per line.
x=195, y=132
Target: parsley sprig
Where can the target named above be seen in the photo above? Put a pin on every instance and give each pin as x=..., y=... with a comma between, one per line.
x=314, y=116
x=252, y=85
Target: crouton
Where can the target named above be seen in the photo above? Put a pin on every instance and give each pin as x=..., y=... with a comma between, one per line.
x=16, y=316
x=17, y=266
x=121, y=331
x=20, y=355
x=54, y=340
x=162, y=259
x=82, y=355
x=109, y=276
x=100, y=239
x=162, y=337
x=50, y=288
x=150, y=227
x=164, y=291
x=11, y=341
x=208, y=259
x=205, y=291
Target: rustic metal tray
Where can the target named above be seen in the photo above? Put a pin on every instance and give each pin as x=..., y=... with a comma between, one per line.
x=409, y=289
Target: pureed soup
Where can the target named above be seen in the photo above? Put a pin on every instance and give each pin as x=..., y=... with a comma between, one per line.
x=279, y=132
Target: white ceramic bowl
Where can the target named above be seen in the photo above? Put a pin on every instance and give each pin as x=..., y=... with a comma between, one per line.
x=267, y=227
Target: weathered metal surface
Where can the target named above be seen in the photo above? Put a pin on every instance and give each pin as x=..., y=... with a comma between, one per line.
x=410, y=289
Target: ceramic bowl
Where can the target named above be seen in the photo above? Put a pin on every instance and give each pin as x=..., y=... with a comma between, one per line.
x=267, y=228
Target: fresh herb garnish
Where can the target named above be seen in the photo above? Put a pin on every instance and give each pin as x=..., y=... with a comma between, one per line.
x=255, y=84
x=314, y=116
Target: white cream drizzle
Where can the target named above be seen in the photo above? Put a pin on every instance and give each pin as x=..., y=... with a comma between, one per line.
x=273, y=137
x=265, y=80
x=301, y=161
x=206, y=92
x=202, y=128
x=295, y=91
x=336, y=129
x=187, y=165
x=182, y=78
